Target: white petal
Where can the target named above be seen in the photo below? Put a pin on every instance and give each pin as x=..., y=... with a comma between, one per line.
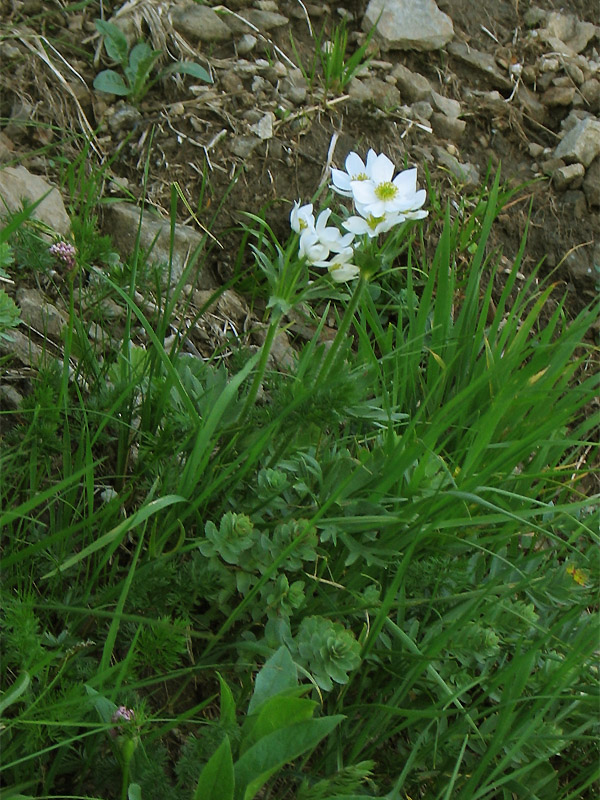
x=344, y=272
x=354, y=165
x=382, y=169
x=406, y=181
x=371, y=158
x=356, y=225
x=301, y=217
x=341, y=182
x=364, y=192
x=322, y=220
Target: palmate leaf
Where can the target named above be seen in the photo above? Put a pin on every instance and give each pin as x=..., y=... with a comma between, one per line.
x=111, y=82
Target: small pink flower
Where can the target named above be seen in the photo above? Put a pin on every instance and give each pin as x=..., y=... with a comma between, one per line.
x=122, y=714
x=65, y=252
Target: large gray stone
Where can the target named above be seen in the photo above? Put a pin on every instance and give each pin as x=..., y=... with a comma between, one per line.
x=581, y=143
x=413, y=86
x=121, y=221
x=409, y=24
x=200, y=22
x=41, y=315
x=17, y=184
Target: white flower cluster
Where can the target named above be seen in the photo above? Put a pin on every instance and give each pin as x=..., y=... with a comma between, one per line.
x=381, y=201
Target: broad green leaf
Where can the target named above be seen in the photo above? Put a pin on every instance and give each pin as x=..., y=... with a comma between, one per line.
x=188, y=68
x=278, y=674
x=16, y=690
x=276, y=713
x=115, y=41
x=142, y=57
x=111, y=82
x=271, y=752
x=216, y=780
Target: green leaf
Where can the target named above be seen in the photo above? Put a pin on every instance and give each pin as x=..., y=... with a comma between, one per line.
x=105, y=707
x=276, y=713
x=217, y=780
x=111, y=82
x=134, y=792
x=141, y=515
x=16, y=690
x=278, y=674
x=269, y=754
x=187, y=68
x=228, y=716
x=115, y=41
x=10, y=314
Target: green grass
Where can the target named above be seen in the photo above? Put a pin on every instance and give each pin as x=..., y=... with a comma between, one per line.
x=399, y=534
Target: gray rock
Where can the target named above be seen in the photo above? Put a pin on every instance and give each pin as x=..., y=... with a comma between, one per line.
x=422, y=110
x=231, y=83
x=575, y=73
x=482, y=61
x=262, y=20
x=447, y=127
x=294, y=87
x=467, y=173
x=122, y=116
x=570, y=30
x=590, y=90
x=413, y=86
x=448, y=106
x=21, y=347
x=409, y=24
x=200, y=22
x=246, y=44
x=244, y=146
x=591, y=184
x=264, y=127
x=558, y=96
x=568, y=177
x=10, y=397
x=41, y=315
x=373, y=91
x=18, y=184
x=581, y=143
x=121, y=221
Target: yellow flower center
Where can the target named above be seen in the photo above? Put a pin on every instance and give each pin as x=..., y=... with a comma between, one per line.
x=361, y=176
x=386, y=191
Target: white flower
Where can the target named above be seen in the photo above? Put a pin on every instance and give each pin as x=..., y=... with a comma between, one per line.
x=310, y=247
x=339, y=266
x=371, y=225
x=301, y=217
x=383, y=194
x=329, y=235
x=356, y=170
x=317, y=242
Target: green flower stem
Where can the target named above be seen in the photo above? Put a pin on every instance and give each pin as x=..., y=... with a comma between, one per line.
x=342, y=330
x=262, y=364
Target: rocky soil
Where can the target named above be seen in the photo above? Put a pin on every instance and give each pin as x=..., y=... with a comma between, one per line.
x=458, y=89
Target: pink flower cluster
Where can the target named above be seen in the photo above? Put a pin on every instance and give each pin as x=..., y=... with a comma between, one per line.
x=65, y=252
